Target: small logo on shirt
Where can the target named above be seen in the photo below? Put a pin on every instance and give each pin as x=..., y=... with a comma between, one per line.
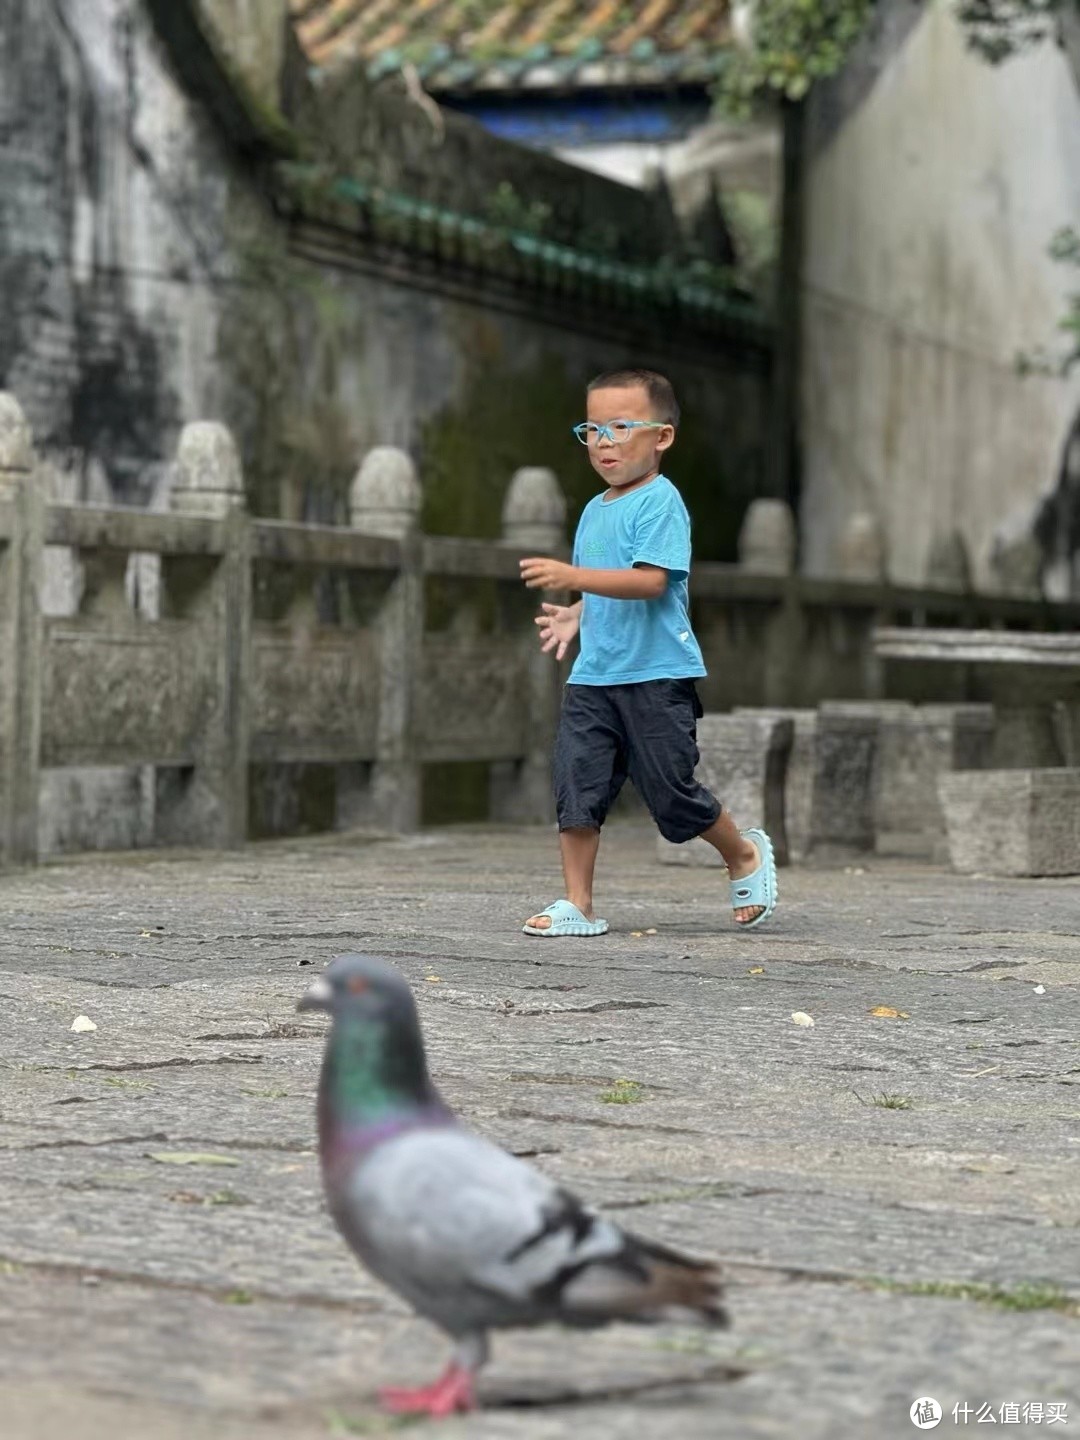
x=684, y=635
x=594, y=549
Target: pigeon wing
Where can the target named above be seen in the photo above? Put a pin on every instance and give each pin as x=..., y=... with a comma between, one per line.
x=473, y=1237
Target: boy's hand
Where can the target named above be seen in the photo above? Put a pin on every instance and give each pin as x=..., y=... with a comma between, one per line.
x=558, y=626
x=543, y=573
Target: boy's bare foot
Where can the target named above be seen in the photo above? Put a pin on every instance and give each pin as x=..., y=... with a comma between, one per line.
x=746, y=865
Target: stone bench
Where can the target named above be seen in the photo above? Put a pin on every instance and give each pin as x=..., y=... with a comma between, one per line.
x=858, y=775
x=1031, y=677
x=1013, y=822
x=799, y=778
x=878, y=764
x=845, y=771
x=916, y=745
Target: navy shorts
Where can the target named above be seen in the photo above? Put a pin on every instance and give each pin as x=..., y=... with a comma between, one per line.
x=645, y=732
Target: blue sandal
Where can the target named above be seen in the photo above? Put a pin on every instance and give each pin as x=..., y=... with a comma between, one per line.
x=567, y=919
x=759, y=888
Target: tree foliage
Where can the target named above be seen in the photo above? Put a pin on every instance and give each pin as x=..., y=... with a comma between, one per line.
x=787, y=45
x=999, y=29
x=790, y=45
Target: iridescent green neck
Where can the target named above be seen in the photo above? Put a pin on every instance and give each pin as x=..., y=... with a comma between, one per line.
x=373, y=1073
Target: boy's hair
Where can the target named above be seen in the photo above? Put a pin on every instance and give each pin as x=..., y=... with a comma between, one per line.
x=658, y=388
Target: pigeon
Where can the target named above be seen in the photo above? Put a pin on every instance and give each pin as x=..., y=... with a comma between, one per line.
x=470, y=1236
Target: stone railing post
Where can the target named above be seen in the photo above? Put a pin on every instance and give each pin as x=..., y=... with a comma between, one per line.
x=860, y=551
x=22, y=531
x=385, y=499
x=767, y=538
x=534, y=521
x=207, y=804
x=767, y=545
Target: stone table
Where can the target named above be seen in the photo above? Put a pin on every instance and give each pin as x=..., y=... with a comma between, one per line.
x=1032, y=679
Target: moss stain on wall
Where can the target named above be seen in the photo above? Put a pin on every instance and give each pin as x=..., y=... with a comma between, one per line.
x=506, y=419
x=286, y=332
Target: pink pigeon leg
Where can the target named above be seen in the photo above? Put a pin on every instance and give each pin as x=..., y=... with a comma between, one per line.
x=453, y=1392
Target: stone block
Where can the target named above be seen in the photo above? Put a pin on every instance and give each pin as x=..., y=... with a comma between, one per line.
x=845, y=774
x=799, y=780
x=95, y=808
x=743, y=762
x=917, y=744
x=1013, y=822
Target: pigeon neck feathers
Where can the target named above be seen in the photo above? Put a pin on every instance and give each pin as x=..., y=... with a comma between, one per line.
x=374, y=1085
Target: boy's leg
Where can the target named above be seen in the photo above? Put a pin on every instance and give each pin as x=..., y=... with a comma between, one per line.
x=589, y=772
x=661, y=723
x=578, y=848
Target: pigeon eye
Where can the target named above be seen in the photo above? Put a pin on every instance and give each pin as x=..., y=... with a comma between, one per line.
x=357, y=985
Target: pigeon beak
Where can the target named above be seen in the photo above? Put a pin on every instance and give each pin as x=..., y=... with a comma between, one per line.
x=317, y=996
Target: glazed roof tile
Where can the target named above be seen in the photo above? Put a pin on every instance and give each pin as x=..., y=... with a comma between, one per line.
x=534, y=45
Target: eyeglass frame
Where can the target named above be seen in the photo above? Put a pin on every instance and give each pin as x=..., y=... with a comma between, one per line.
x=604, y=432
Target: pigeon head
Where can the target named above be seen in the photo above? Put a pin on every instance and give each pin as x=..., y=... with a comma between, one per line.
x=374, y=1068
x=362, y=986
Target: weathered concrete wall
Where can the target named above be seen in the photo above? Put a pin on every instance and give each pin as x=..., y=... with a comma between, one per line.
x=934, y=185
x=321, y=362
x=254, y=33
x=112, y=197
x=146, y=280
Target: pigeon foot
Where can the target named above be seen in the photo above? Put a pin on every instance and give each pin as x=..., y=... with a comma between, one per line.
x=452, y=1393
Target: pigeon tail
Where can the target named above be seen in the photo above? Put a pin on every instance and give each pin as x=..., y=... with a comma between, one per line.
x=689, y=1288
x=647, y=1283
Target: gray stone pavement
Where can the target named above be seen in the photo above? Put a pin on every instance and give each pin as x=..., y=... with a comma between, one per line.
x=148, y=1294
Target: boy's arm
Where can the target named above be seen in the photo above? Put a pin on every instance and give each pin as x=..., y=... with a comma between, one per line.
x=642, y=582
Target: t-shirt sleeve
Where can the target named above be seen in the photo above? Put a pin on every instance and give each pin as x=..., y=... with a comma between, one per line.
x=662, y=537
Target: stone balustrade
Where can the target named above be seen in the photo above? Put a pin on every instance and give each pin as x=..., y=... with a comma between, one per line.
x=364, y=652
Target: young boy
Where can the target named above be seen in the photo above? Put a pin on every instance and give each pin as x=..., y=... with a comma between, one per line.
x=631, y=704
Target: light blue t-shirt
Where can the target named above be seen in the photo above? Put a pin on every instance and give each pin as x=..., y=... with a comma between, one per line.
x=626, y=641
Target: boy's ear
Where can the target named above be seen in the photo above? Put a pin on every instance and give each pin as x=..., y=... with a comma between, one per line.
x=666, y=438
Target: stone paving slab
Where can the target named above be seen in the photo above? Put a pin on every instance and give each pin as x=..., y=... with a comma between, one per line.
x=840, y=1172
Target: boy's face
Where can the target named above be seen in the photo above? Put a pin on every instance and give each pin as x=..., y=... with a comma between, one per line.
x=637, y=459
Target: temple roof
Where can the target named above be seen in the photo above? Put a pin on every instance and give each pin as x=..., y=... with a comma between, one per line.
x=470, y=46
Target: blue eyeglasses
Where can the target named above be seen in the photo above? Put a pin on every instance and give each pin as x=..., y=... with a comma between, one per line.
x=617, y=431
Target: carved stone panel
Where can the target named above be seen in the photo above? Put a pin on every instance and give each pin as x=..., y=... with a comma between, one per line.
x=473, y=698
x=127, y=694
x=315, y=694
